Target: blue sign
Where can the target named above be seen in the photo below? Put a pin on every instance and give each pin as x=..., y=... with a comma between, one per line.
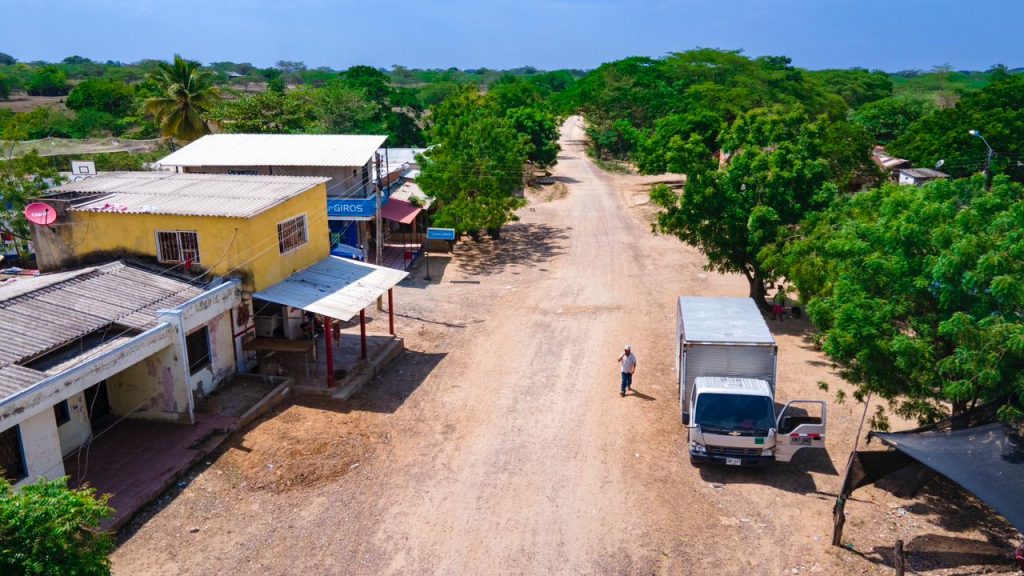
x=440, y=234
x=351, y=208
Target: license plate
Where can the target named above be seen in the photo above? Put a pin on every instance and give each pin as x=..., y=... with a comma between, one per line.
x=733, y=462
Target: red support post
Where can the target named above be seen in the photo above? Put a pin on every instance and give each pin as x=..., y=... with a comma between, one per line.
x=391, y=310
x=362, y=331
x=329, y=349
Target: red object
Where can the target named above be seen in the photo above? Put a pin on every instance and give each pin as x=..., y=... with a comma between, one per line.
x=329, y=350
x=41, y=214
x=362, y=332
x=391, y=310
x=1019, y=555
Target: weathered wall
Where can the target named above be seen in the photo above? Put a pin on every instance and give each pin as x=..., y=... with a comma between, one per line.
x=154, y=389
x=42, y=448
x=76, y=431
x=222, y=356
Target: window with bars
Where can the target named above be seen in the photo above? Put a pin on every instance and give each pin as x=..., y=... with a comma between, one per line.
x=177, y=246
x=12, y=456
x=292, y=233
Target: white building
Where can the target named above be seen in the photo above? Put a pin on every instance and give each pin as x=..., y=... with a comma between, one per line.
x=85, y=348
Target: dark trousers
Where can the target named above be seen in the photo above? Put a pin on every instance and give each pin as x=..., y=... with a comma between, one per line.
x=627, y=381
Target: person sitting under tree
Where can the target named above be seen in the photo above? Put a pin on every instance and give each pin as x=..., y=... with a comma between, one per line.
x=779, y=304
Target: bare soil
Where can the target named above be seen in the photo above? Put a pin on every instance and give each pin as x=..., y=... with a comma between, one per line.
x=498, y=443
x=22, y=102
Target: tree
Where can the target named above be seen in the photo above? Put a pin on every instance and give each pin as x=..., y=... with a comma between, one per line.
x=21, y=179
x=916, y=292
x=47, y=529
x=475, y=166
x=857, y=86
x=187, y=95
x=6, y=87
x=888, y=118
x=266, y=113
x=341, y=109
x=48, y=81
x=110, y=96
x=778, y=172
x=7, y=60
x=541, y=130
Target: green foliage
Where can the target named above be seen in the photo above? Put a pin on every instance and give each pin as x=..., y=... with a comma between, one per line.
x=476, y=165
x=7, y=60
x=888, y=118
x=47, y=529
x=21, y=179
x=48, y=81
x=856, y=86
x=781, y=168
x=680, y=141
x=104, y=95
x=186, y=96
x=997, y=111
x=917, y=292
x=6, y=87
x=542, y=131
x=267, y=113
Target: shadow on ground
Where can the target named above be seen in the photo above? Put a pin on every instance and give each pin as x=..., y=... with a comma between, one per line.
x=794, y=476
x=521, y=244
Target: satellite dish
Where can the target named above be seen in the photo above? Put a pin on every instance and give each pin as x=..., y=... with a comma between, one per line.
x=939, y=164
x=41, y=214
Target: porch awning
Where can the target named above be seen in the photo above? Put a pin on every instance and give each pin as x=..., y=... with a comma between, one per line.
x=399, y=211
x=334, y=287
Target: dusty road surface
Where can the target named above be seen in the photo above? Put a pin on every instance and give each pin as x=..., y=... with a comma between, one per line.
x=498, y=442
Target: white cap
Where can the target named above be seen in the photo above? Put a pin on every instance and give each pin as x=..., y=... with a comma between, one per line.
x=627, y=347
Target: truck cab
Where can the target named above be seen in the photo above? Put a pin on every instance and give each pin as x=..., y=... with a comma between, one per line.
x=734, y=423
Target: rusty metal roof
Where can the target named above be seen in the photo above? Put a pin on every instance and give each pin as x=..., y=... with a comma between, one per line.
x=336, y=150
x=39, y=316
x=222, y=195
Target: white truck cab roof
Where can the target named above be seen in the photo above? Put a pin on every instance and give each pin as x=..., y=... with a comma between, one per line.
x=722, y=385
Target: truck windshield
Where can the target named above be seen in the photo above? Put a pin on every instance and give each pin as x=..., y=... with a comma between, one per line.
x=720, y=413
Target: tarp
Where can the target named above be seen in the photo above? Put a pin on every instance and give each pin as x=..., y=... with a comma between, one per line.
x=399, y=211
x=987, y=461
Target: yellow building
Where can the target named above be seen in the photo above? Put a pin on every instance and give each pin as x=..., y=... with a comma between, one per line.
x=260, y=228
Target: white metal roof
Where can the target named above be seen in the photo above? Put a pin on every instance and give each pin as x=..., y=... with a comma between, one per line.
x=277, y=150
x=185, y=194
x=748, y=386
x=335, y=287
x=723, y=320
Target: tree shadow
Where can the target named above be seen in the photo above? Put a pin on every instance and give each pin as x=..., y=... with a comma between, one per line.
x=521, y=244
x=565, y=179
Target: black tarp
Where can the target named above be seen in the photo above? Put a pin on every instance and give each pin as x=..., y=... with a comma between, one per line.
x=987, y=461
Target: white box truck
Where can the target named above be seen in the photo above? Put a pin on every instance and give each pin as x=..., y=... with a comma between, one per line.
x=725, y=362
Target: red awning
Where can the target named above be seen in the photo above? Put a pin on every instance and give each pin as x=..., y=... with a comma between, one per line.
x=399, y=211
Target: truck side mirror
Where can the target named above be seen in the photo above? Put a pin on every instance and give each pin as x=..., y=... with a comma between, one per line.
x=686, y=419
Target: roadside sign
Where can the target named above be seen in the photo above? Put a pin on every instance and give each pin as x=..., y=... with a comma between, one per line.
x=440, y=234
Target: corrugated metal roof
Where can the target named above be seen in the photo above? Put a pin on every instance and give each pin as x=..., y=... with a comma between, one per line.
x=923, y=173
x=335, y=287
x=40, y=315
x=223, y=195
x=277, y=150
x=723, y=320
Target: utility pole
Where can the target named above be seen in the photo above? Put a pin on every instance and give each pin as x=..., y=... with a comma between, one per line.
x=988, y=158
x=380, y=229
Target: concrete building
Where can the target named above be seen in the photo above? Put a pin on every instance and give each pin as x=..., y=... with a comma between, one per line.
x=261, y=228
x=91, y=346
x=918, y=176
x=347, y=161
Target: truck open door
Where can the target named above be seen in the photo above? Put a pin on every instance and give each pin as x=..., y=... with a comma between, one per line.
x=801, y=424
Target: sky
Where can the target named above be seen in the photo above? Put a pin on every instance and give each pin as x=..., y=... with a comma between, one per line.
x=891, y=35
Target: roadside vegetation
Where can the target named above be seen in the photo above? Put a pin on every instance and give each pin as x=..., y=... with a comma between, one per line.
x=914, y=290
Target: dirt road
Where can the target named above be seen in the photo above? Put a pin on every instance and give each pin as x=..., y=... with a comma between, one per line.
x=499, y=444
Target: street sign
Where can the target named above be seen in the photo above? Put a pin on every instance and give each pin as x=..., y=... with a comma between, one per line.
x=351, y=208
x=440, y=234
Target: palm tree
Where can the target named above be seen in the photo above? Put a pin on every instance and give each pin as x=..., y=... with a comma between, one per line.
x=188, y=94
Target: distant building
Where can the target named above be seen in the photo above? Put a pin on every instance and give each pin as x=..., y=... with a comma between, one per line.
x=918, y=176
x=888, y=164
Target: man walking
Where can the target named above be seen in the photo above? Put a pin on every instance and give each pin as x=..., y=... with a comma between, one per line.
x=627, y=361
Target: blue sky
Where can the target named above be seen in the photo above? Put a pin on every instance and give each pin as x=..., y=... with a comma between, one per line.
x=891, y=35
